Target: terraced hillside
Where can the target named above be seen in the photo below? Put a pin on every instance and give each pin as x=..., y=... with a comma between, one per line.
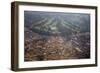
x=56, y=36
